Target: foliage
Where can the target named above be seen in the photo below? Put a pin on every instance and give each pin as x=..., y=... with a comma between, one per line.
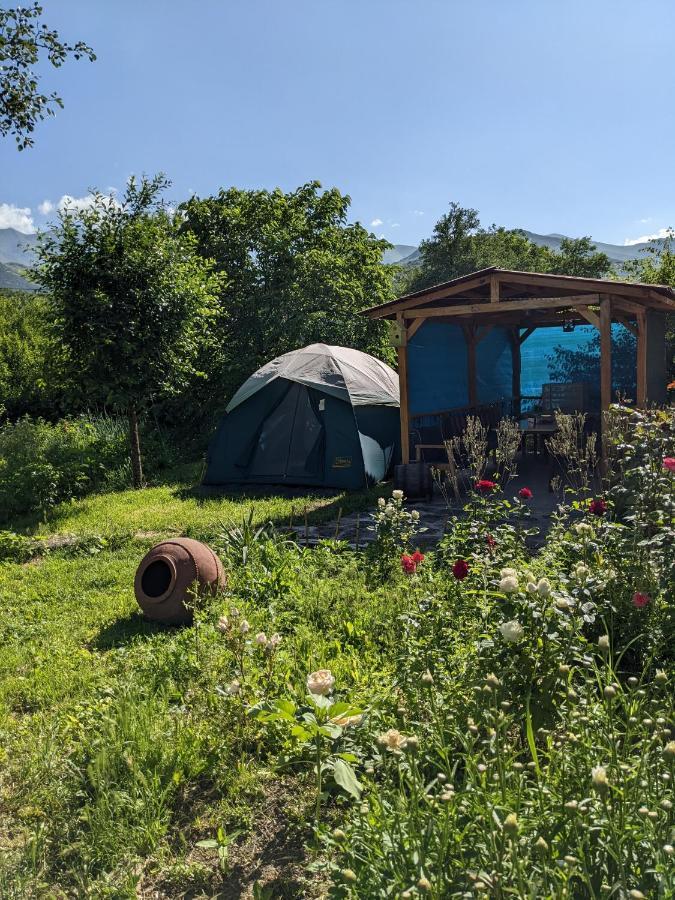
x=657, y=266
x=131, y=299
x=25, y=42
x=459, y=245
x=43, y=464
x=296, y=272
x=31, y=381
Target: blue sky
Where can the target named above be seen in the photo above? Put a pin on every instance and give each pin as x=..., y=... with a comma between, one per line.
x=552, y=116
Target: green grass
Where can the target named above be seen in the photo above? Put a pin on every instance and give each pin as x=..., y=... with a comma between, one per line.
x=181, y=509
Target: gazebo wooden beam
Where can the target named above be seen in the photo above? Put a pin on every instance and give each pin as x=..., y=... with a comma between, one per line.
x=473, y=309
x=428, y=297
x=605, y=353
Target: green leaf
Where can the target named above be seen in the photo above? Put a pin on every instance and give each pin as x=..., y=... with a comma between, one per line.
x=209, y=844
x=345, y=776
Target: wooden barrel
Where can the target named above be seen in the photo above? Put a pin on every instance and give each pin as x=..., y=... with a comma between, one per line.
x=169, y=575
x=414, y=479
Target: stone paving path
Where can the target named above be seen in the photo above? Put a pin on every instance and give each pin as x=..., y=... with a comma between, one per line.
x=434, y=514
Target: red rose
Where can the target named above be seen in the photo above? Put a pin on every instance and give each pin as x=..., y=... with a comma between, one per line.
x=418, y=557
x=525, y=493
x=598, y=507
x=408, y=564
x=491, y=542
x=460, y=569
x=640, y=600
x=669, y=463
x=485, y=486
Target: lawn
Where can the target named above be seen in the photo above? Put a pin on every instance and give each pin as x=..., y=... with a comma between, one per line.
x=484, y=720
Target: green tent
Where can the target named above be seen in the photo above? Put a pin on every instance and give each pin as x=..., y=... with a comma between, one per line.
x=321, y=416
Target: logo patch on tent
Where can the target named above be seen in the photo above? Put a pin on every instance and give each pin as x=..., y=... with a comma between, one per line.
x=342, y=462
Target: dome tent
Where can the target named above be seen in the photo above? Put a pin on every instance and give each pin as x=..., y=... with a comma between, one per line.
x=321, y=416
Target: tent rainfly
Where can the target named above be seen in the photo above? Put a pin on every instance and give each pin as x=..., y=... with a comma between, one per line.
x=321, y=416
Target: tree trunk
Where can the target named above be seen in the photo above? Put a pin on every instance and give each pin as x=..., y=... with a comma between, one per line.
x=136, y=463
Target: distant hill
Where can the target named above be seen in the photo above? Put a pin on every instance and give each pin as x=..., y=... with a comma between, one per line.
x=405, y=255
x=16, y=254
x=16, y=247
x=12, y=278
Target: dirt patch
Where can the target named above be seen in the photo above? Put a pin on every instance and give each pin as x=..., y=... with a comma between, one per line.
x=272, y=856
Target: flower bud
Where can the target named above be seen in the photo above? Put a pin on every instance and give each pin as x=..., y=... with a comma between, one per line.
x=603, y=643
x=424, y=885
x=427, y=678
x=348, y=874
x=669, y=750
x=609, y=692
x=660, y=677
x=511, y=824
x=541, y=846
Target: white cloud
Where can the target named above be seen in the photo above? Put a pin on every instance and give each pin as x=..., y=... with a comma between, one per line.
x=375, y=223
x=644, y=221
x=395, y=225
x=17, y=217
x=46, y=207
x=418, y=212
x=75, y=204
x=661, y=233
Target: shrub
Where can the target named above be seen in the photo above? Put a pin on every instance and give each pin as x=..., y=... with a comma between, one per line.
x=42, y=464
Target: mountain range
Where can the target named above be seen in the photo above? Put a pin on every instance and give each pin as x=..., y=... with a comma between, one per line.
x=16, y=254
x=408, y=255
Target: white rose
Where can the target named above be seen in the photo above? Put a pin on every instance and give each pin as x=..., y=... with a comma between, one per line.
x=392, y=740
x=583, y=529
x=509, y=584
x=381, y=502
x=397, y=495
x=543, y=587
x=509, y=573
x=320, y=682
x=415, y=516
x=390, y=511
x=531, y=587
x=581, y=572
x=512, y=631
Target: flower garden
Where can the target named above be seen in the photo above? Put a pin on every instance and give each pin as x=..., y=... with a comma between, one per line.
x=470, y=719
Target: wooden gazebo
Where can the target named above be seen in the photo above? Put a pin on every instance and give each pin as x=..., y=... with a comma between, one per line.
x=517, y=303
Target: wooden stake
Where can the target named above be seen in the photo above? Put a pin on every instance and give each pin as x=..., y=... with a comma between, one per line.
x=337, y=524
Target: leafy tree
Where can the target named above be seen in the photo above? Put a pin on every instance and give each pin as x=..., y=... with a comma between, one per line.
x=450, y=251
x=297, y=273
x=31, y=378
x=459, y=245
x=657, y=266
x=24, y=42
x=130, y=299
x=579, y=256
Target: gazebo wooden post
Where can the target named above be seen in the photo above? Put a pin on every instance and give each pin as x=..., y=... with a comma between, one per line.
x=403, y=388
x=641, y=379
x=605, y=366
